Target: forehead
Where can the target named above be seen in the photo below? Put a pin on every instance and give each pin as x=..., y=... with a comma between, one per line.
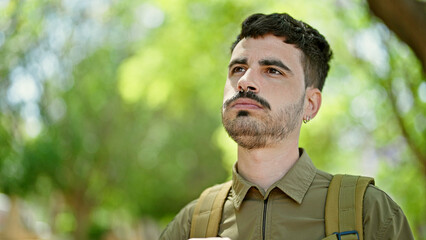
x=268, y=46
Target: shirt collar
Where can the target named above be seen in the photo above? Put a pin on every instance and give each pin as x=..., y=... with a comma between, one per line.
x=295, y=183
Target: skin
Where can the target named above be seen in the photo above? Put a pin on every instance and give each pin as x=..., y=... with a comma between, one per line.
x=272, y=70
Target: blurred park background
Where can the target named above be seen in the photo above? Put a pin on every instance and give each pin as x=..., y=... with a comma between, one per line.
x=110, y=109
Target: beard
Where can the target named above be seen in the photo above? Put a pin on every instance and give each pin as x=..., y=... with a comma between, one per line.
x=253, y=130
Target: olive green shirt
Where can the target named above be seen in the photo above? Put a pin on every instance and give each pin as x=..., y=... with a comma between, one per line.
x=292, y=208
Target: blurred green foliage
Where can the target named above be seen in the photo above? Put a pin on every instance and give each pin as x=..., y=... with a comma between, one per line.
x=111, y=109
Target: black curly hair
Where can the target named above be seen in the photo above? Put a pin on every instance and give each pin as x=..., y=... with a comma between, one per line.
x=315, y=48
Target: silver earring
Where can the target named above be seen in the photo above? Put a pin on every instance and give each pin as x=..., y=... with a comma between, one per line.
x=307, y=119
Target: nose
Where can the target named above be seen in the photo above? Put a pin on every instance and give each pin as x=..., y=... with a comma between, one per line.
x=248, y=82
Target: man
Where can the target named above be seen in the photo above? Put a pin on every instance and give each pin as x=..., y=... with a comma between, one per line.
x=276, y=73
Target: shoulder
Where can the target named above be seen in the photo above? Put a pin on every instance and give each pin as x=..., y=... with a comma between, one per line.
x=377, y=201
x=180, y=226
x=324, y=176
x=374, y=196
x=320, y=183
x=322, y=179
x=382, y=217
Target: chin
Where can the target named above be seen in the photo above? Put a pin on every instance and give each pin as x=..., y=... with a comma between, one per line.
x=249, y=142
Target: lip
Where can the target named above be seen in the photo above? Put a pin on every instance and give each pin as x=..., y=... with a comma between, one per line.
x=245, y=103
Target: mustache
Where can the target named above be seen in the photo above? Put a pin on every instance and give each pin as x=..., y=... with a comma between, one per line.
x=250, y=95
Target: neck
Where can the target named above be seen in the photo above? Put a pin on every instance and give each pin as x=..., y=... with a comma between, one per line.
x=265, y=166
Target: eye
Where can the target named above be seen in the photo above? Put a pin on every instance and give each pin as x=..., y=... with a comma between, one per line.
x=274, y=71
x=238, y=69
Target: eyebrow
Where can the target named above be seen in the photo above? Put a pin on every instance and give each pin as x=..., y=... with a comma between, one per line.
x=264, y=62
x=274, y=62
x=237, y=61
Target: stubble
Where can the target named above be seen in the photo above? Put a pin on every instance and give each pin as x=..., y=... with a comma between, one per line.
x=258, y=131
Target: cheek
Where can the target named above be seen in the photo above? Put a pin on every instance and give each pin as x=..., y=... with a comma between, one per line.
x=280, y=98
x=229, y=91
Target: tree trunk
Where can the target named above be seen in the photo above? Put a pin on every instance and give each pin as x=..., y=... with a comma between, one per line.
x=407, y=19
x=82, y=210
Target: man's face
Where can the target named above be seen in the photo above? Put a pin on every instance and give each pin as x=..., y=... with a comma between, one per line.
x=271, y=107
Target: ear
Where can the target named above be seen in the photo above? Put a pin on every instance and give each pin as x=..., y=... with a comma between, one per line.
x=313, y=102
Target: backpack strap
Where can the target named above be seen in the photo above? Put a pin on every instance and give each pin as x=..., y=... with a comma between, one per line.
x=343, y=208
x=208, y=211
